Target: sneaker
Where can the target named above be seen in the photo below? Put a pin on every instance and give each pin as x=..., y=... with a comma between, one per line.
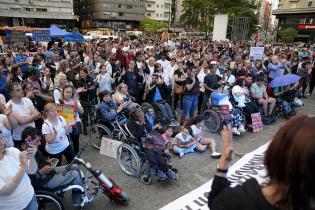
x=181, y=155
x=215, y=155
x=171, y=174
x=235, y=131
x=162, y=176
x=174, y=123
x=241, y=129
x=308, y=94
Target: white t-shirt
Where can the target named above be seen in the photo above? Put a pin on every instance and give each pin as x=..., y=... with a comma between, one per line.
x=231, y=80
x=24, y=192
x=196, y=132
x=61, y=142
x=201, y=77
x=182, y=139
x=240, y=99
x=23, y=109
x=57, y=95
x=164, y=63
x=6, y=133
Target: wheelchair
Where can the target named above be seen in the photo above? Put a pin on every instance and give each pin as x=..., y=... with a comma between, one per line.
x=133, y=161
x=214, y=117
x=103, y=128
x=47, y=200
x=159, y=117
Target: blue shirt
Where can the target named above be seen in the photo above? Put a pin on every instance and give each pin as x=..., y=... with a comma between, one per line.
x=22, y=58
x=157, y=96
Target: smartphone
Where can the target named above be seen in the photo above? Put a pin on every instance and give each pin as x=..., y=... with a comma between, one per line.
x=29, y=142
x=54, y=163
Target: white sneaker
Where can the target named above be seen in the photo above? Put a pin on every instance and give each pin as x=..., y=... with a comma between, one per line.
x=241, y=129
x=235, y=131
x=181, y=155
x=215, y=155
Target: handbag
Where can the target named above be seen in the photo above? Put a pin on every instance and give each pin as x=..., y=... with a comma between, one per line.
x=178, y=90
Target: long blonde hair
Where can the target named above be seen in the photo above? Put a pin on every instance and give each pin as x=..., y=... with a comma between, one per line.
x=58, y=77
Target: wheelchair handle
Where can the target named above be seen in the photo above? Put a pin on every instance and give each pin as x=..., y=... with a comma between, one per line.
x=68, y=167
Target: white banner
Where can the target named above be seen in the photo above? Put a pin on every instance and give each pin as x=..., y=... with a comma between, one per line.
x=256, y=53
x=220, y=27
x=249, y=166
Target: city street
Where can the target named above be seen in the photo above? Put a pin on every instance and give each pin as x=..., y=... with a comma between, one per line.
x=194, y=170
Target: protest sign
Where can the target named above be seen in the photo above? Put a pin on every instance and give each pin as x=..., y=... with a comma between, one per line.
x=256, y=122
x=256, y=53
x=16, y=37
x=225, y=110
x=109, y=147
x=41, y=36
x=67, y=111
x=249, y=166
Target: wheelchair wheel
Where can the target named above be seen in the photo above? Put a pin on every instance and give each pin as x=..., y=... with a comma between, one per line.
x=48, y=201
x=212, y=120
x=128, y=160
x=146, y=179
x=97, y=132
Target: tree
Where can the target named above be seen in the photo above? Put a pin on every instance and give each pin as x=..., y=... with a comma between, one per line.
x=152, y=27
x=288, y=35
x=200, y=13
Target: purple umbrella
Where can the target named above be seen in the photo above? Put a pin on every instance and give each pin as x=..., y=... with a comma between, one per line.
x=284, y=80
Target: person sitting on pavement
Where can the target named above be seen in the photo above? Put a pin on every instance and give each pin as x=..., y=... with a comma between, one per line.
x=108, y=110
x=185, y=143
x=235, y=118
x=138, y=127
x=157, y=92
x=48, y=175
x=259, y=92
x=198, y=132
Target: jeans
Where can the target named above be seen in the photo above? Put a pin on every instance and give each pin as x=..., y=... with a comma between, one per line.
x=184, y=150
x=205, y=102
x=166, y=110
x=32, y=205
x=71, y=177
x=190, y=103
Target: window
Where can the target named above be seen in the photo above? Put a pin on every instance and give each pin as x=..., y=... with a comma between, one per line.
x=293, y=6
x=120, y=14
x=129, y=6
x=157, y=15
x=41, y=9
x=157, y=6
x=149, y=5
x=310, y=4
x=161, y=5
x=16, y=9
x=166, y=15
x=119, y=5
x=161, y=15
x=148, y=14
x=28, y=9
x=166, y=6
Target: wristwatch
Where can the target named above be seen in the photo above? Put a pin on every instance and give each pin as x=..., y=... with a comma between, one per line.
x=222, y=170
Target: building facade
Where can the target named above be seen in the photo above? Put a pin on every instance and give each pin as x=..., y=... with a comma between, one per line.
x=109, y=16
x=159, y=10
x=297, y=14
x=37, y=13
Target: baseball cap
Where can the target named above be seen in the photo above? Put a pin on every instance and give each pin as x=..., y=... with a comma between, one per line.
x=134, y=107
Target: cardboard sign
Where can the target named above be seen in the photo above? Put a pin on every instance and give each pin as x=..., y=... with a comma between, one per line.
x=225, y=111
x=41, y=36
x=109, y=147
x=256, y=53
x=249, y=166
x=256, y=122
x=69, y=112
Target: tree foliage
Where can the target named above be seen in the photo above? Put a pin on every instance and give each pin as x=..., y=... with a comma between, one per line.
x=153, y=26
x=200, y=13
x=288, y=35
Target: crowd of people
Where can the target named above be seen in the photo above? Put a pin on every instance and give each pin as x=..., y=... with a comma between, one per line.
x=182, y=80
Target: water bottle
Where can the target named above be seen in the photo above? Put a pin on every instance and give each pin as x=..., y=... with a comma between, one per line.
x=103, y=178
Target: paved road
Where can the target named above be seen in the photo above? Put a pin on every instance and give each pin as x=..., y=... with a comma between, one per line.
x=194, y=170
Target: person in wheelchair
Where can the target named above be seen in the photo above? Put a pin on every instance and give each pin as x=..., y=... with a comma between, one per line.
x=236, y=120
x=48, y=176
x=150, y=119
x=140, y=129
x=108, y=110
x=157, y=92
